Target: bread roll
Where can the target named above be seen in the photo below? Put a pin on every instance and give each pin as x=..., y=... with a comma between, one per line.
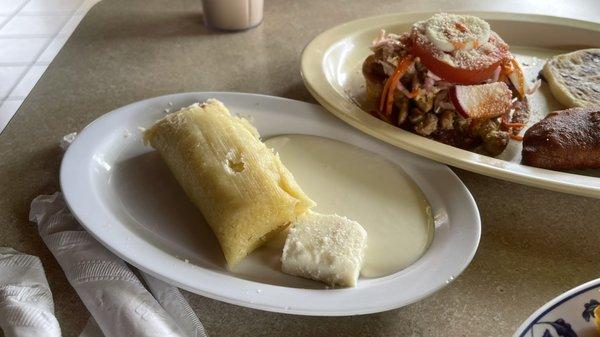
x=574, y=78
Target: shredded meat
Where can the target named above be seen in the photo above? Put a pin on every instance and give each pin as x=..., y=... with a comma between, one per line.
x=427, y=125
x=421, y=103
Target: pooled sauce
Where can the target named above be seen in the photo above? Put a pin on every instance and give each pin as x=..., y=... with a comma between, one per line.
x=365, y=187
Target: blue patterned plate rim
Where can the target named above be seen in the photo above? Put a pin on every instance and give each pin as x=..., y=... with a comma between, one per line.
x=552, y=304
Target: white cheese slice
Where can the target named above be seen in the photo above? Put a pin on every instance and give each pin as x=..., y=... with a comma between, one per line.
x=326, y=248
x=449, y=32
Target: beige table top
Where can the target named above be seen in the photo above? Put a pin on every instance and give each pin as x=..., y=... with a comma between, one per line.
x=535, y=244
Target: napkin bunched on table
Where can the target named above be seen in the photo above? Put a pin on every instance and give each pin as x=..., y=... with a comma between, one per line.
x=171, y=299
x=26, y=306
x=112, y=293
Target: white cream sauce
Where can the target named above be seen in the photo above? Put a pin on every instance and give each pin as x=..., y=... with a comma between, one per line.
x=365, y=187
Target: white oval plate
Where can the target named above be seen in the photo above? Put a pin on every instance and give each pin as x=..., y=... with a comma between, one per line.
x=331, y=69
x=568, y=315
x=123, y=194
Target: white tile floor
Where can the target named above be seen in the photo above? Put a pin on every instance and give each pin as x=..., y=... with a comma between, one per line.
x=32, y=32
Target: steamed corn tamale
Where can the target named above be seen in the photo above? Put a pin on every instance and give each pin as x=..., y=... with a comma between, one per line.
x=242, y=188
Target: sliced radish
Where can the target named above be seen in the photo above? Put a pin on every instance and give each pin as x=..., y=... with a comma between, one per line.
x=518, y=78
x=481, y=101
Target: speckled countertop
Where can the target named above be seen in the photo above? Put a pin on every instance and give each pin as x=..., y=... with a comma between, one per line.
x=535, y=243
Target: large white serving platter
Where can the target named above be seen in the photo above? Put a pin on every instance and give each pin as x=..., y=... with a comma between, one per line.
x=331, y=69
x=124, y=195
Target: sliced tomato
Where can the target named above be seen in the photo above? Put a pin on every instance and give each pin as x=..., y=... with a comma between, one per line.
x=461, y=73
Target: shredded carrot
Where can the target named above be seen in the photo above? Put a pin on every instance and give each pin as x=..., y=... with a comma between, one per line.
x=514, y=125
x=386, y=88
x=403, y=65
x=516, y=137
x=381, y=116
x=504, y=122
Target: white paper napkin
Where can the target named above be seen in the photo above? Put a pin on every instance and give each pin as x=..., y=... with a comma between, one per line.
x=171, y=299
x=26, y=307
x=112, y=293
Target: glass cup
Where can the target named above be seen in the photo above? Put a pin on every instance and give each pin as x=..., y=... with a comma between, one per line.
x=233, y=14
